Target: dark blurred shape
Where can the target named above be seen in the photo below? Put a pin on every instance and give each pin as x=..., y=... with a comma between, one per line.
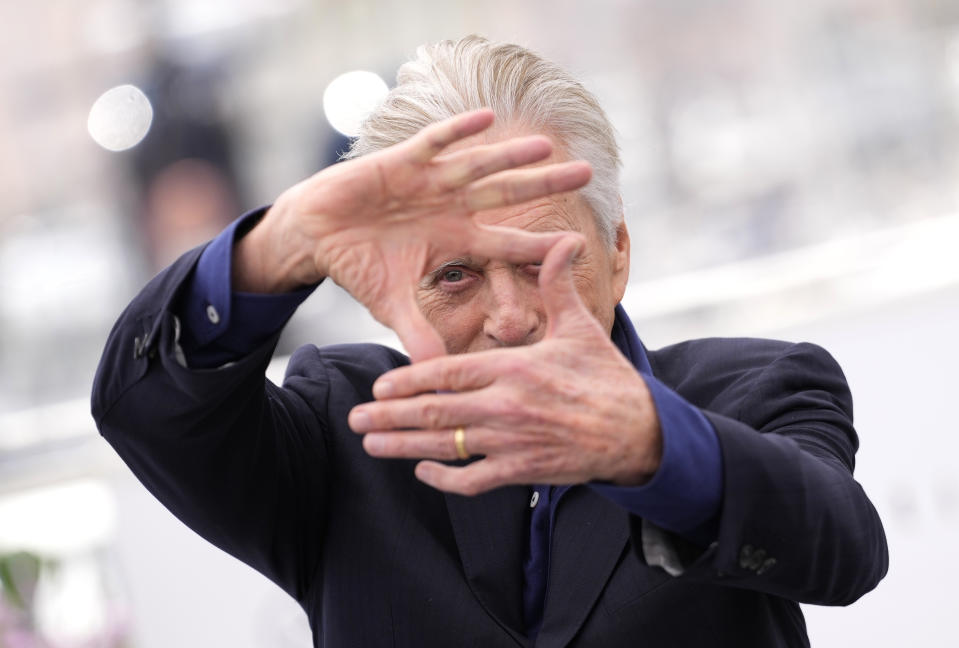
x=185, y=168
x=187, y=202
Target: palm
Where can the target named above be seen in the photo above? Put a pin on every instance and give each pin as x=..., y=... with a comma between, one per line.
x=384, y=220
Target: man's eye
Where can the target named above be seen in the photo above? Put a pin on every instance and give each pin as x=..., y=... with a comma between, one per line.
x=453, y=275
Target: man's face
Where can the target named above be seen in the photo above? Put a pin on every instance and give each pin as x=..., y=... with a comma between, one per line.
x=478, y=304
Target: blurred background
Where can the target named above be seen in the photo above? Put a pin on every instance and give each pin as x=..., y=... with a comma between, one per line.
x=791, y=170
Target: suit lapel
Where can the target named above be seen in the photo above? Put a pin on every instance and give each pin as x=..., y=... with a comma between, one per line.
x=588, y=536
x=491, y=533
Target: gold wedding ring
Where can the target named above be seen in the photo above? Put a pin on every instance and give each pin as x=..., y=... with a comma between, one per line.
x=459, y=440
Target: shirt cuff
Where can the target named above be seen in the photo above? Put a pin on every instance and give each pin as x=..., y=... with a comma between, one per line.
x=220, y=325
x=685, y=494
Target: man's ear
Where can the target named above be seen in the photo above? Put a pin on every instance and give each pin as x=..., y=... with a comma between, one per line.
x=620, y=261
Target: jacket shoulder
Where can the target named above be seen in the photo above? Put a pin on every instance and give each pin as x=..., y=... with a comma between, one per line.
x=714, y=371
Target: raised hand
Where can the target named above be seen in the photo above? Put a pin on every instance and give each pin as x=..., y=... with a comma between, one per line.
x=376, y=224
x=567, y=409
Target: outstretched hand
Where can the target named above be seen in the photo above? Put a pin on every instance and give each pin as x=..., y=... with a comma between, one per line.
x=378, y=223
x=567, y=409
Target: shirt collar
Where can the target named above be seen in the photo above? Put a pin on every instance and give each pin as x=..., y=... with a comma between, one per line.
x=627, y=341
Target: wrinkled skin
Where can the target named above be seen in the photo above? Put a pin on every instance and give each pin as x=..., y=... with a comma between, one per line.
x=445, y=239
x=376, y=224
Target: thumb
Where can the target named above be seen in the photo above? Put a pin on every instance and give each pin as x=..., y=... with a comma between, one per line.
x=418, y=336
x=564, y=308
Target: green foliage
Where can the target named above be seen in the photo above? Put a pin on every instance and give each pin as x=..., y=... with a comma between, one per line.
x=19, y=574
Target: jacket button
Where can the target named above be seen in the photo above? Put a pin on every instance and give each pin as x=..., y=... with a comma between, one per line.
x=212, y=314
x=751, y=558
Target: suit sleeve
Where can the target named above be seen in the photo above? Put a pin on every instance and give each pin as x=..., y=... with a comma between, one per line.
x=793, y=521
x=236, y=458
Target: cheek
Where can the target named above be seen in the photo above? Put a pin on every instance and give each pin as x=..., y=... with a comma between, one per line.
x=458, y=322
x=586, y=284
x=597, y=295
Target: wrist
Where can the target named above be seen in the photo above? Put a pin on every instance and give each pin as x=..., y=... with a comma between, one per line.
x=643, y=469
x=644, y=454
x=268, y=259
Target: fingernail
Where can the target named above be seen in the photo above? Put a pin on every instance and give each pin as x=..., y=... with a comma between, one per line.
x=382, y=389
x=373, y=444
x=360, y=421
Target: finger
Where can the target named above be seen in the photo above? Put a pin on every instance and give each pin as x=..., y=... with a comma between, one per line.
x=511, y=244
x=441, y=444
x=457, y=373
x=461, y=168
x=412, y=445
x=561, y=301
x=478, y=477
x=418, y=336
x=423, y=412
x=520, y=185
x=430, y=141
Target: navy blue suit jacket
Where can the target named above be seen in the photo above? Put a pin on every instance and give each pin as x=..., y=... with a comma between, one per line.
x=274, y=476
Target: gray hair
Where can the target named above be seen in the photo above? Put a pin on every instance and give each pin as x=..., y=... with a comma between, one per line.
x=451, y=77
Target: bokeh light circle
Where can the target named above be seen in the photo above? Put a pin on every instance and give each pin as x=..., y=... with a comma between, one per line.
x=350, y=97
x=120, y=118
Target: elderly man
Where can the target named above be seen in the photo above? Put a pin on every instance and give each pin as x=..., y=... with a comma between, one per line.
x=535, y=475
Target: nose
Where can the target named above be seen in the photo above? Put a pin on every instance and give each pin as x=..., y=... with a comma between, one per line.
x=514, y=314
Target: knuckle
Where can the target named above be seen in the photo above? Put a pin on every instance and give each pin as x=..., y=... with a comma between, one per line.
x=431, y=415
x=509, y=191
x=436, y=139
x=511, y=408
x=477, y=168
x=463, y=375
x=464, y=201
x=528, y=368
x=400, y=446
x=452, y=374
x=474, y=374
x=513, y=364
x=447, y=448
